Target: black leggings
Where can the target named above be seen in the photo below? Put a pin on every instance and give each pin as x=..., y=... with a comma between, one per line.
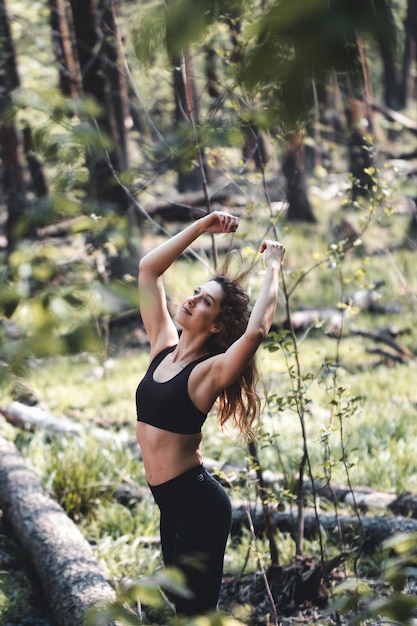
x=196, y=517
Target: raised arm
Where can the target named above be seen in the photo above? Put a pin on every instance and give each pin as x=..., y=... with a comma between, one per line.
x=158, y=324
x=230, y=365
x=263, y=312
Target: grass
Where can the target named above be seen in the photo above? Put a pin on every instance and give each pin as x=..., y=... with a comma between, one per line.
x=360, y=417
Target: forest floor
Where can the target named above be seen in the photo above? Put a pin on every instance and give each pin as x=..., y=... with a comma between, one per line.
x=248, y=591
x=298, y=591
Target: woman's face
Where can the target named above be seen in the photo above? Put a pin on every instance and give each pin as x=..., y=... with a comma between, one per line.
x=201, y=310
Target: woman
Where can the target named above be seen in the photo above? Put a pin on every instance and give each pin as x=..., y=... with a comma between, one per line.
x=212, y=359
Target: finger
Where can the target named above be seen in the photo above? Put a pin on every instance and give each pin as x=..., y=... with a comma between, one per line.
x=231, y=222
x=265, y=245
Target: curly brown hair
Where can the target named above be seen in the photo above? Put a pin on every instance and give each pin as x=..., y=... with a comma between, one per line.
x=239, y=402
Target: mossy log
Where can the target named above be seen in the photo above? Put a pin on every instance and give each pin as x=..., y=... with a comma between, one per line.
x=69, y=573
x=368, y=532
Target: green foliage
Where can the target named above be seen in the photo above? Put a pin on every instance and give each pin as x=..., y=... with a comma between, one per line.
x=15, y=592
x=18, y=604
x=123, y=537
x=148, y=595
x=360, y=602
x=80, y=476
x=285, y=46
x=51, y=313
x=332, y=406
x=182, y=23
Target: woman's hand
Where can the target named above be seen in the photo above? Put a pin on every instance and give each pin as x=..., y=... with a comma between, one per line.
x=273, y=252
x=220, y=222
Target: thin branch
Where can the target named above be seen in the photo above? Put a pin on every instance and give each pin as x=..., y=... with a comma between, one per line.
x=261, y=565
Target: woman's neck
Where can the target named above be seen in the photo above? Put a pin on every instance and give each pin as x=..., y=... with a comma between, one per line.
x=189, y=349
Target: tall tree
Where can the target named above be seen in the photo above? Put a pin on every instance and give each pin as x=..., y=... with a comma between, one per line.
x=88, y=49
x=190, y=162
x=410, y=52
x=13, y=175
x=299, y=205
x=293, y=49
x=65, y=49
x=298, y=46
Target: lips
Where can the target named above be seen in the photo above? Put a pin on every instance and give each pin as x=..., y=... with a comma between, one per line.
x=183, y=308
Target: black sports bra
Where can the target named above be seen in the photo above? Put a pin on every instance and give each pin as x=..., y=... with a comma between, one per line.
x=167, y=405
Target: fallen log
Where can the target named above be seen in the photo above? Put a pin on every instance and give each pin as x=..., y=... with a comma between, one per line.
x=404, y=504
x=368, y=533
x=398, y=352
x=70, y=576
x=395, y=116
x=35, y=418
x=360, y=498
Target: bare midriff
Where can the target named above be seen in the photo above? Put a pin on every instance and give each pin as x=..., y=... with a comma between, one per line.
x=166, y=455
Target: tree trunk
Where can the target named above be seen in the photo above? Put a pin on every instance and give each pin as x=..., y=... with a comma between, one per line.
x=117, y=103
x=69, y=573
x=64, y=44
x=190, y=176
x=95, y=55
x=371, y=531
x=299, y=206
x=11, y=149
x=9, y=74
x=360, y=148
x=256, y=148
x=412, y=229
x=392, y=88
x=39, y=183
x=410, y=52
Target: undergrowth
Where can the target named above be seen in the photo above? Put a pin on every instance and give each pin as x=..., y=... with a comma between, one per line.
x=332, y=402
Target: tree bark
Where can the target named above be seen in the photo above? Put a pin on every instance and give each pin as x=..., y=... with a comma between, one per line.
x=64, y=44
x=412, y=229
x=39, y=183
x=365, y=532
x=11, y=149
x=69, y=573
x=370, y=532
x=299, y=206
x=392, y=88
x=94, y=64
x=190, y=176
x=34, y=418
x=410, y=52
x=361, y=158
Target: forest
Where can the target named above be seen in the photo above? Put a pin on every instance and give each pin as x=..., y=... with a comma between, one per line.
x=121, y=122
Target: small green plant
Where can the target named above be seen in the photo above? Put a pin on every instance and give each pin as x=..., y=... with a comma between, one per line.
x=126, y=539
x=81, y=474
x=144, y=602
x=16, y=596
x=389, y=599
x=14, y=593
